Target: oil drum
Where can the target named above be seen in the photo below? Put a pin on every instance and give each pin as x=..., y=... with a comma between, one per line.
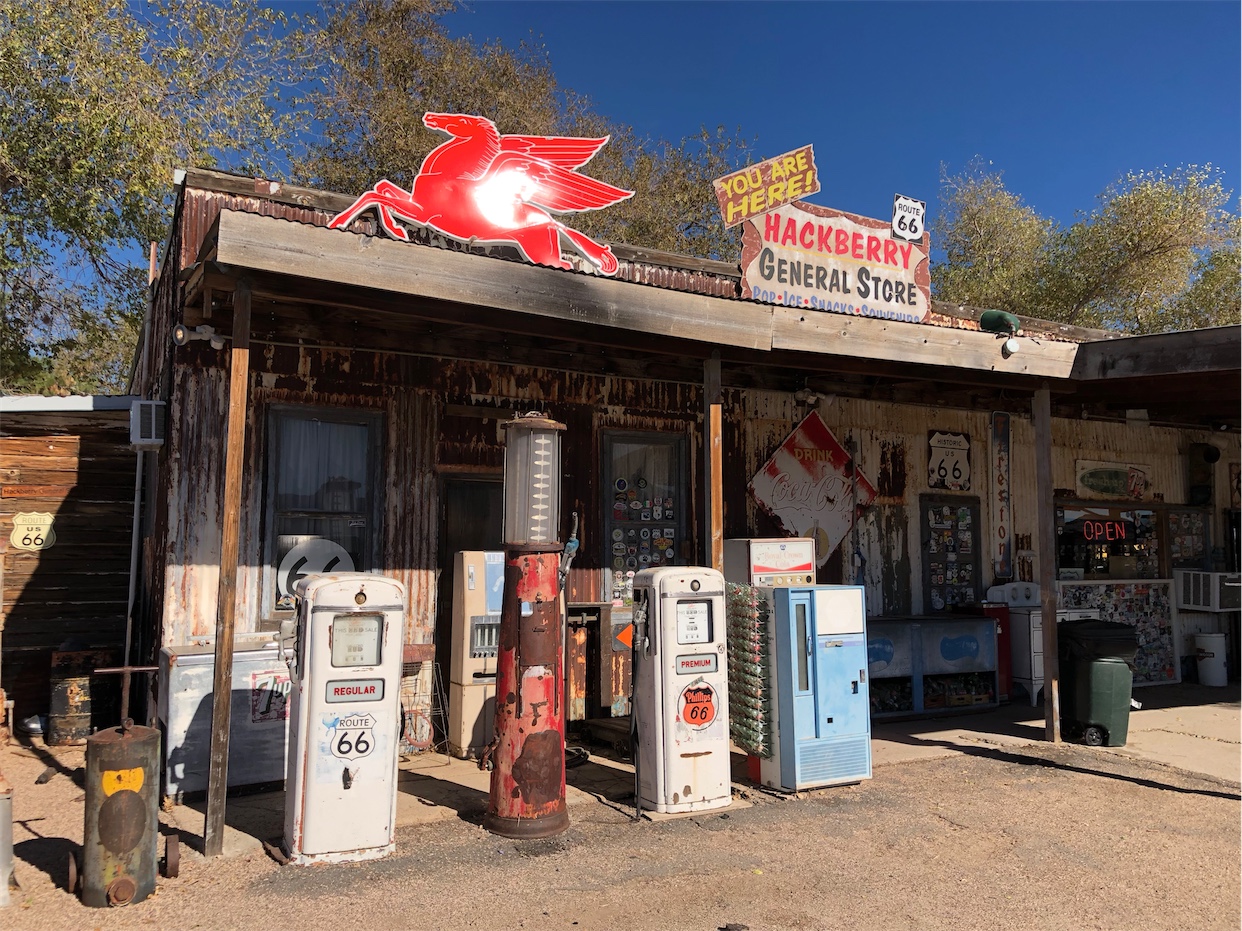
x=119, y=851
x=70, y=712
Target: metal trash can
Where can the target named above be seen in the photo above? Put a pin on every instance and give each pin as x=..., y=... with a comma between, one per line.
x=1096, y=680
x=1210, y=655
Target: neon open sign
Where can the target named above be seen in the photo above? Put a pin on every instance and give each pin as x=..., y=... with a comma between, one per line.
x=1103, y=530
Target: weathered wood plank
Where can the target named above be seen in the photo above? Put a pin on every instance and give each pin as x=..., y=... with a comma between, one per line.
x=1041, y=415
x=93, y=477
x=869, y=338
x=63, y=507
x=226, y=605
x=273, y=245
x=14, y=450
x=1215, y=349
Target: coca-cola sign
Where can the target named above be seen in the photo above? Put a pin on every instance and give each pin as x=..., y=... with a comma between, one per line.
x=811, y=487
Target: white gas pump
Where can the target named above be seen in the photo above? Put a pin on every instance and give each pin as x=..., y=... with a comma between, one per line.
x=680, y=690
x=344, y=718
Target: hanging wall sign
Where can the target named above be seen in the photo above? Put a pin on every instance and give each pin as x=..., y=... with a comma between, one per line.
x=1002, y=515
x=948, y=461
x=811, y=488
x=765, y=186
x=484, y=187
x=33, y=531
x=1114, y=480
x=825, y=260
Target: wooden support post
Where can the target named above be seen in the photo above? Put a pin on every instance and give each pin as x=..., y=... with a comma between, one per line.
x=1046, y=521
x=714, y=470
x=226, y=603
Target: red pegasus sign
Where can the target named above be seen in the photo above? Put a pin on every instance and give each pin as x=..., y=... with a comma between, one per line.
x=483, y=187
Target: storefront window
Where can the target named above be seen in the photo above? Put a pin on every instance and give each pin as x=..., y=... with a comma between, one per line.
x=1107, y=543
x=323, y=504
x=646, y=508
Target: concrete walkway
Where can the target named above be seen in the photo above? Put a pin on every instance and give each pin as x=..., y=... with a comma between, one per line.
x=1191, y=727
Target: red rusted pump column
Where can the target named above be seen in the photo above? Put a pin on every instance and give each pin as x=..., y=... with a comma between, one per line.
x=528, y=754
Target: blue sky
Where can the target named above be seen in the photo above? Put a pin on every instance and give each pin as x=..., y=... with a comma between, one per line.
x=1063, y=97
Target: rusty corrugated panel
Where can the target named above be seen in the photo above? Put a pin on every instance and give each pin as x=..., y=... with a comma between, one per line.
x=202, y=207
x=576, y=671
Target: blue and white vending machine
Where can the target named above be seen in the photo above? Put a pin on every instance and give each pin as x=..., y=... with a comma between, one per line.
x=822, y=721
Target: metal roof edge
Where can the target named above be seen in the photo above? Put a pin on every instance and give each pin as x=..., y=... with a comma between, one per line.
x=35, y=403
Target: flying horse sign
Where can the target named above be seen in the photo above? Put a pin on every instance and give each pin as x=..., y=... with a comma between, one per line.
x=487, y=188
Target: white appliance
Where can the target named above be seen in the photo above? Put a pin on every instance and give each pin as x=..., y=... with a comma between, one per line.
x=478, y=590
x=258, y=721
x=1207, y=591
x=1026, y=632
x=681, y=690
x=345, y=718
x=1015, y=594
x=777, y=562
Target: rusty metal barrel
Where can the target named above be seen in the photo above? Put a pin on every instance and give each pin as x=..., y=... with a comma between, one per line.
x=119, y=851
x=69, y=714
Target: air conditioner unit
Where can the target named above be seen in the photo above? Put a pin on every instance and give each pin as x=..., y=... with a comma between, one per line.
x=146, y=424
x=1208, y=591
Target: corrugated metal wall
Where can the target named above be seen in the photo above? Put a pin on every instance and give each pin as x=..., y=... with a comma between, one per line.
x=893, y=454
x=421, y=440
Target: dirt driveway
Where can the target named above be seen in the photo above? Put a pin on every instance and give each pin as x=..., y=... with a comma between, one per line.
x=1030, y=837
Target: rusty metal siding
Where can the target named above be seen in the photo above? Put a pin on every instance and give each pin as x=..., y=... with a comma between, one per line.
x=891, y=452
x=201, y=208
x=678, y=279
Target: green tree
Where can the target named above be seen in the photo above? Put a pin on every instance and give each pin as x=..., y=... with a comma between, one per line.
x=100, y=101
x=383, y=63
x=1159, y=252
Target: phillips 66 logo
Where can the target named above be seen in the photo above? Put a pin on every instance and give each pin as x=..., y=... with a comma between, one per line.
x=698, y=704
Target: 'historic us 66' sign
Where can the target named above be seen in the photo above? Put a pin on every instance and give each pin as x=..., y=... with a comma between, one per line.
x=822, y=259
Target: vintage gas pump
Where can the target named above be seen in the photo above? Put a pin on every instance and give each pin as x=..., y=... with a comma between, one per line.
x=527, y=757
x=681, y=690
x=344, y=718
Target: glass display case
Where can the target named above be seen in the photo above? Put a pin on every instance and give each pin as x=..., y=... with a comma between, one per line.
x=646, y=508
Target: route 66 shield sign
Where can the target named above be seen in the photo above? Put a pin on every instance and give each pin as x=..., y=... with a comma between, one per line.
x=33, y=531
x=352, y=737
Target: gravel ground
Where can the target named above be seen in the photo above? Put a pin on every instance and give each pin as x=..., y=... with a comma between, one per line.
x=1033, y=838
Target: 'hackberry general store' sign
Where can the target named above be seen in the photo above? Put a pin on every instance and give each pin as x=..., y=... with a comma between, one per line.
x=822, y=259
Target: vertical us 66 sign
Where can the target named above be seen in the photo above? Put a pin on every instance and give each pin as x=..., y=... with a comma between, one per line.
x=948, y=461
x=908, y=218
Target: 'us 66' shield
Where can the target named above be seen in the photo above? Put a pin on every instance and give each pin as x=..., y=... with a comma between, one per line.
x=351, y=737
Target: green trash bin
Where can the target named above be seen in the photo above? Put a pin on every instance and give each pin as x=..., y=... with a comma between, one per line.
x=1096, y=680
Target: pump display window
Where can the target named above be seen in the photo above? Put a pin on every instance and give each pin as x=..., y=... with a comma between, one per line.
x=322, y=502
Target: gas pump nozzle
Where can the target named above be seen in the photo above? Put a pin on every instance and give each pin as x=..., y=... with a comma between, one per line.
x=567, y=554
